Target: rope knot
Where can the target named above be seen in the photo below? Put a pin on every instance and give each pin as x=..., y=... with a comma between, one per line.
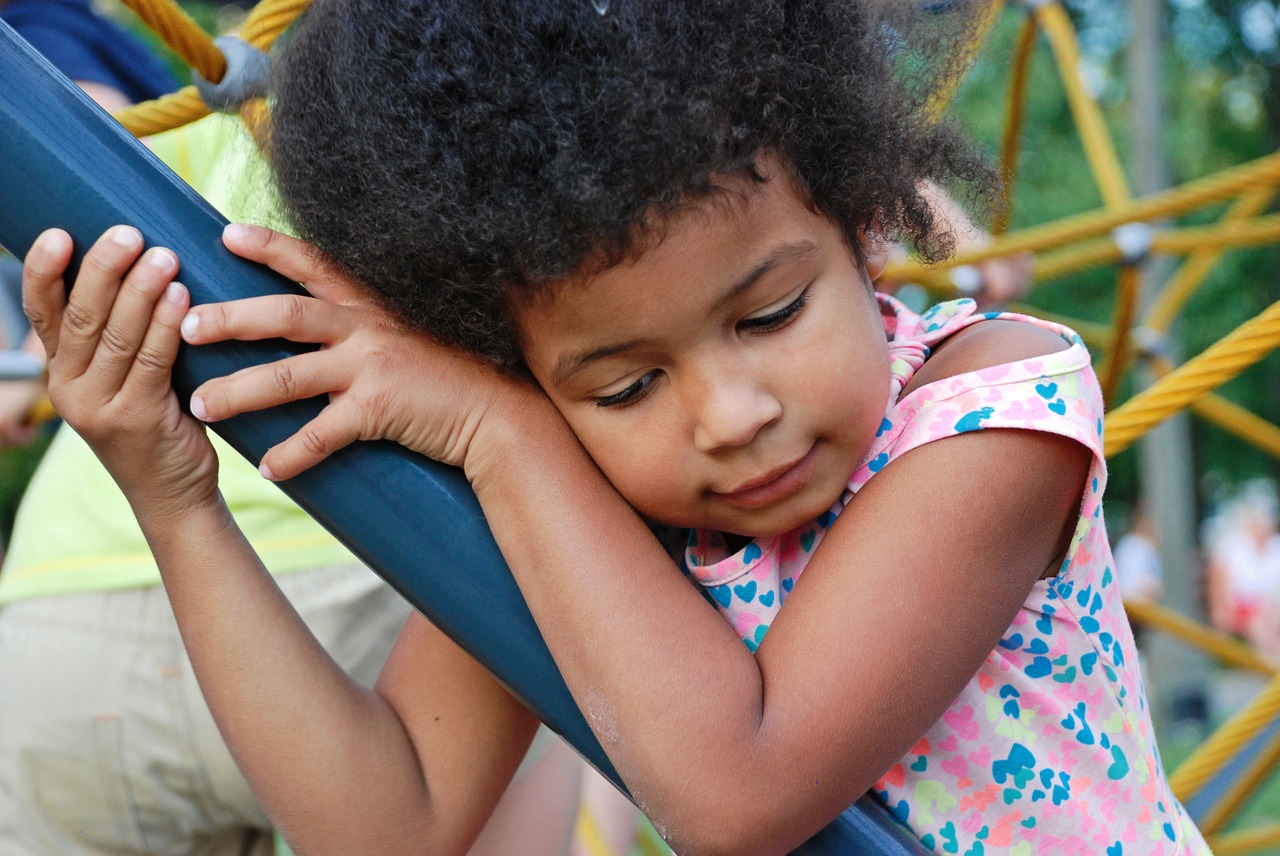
x=248, y=76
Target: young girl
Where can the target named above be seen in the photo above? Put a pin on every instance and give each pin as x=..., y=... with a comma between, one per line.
x=641, y=239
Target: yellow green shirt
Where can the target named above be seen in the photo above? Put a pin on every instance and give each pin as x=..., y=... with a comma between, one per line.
x=75, y=531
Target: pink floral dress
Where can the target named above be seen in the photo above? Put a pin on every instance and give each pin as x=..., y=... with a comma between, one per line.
x=1049, y=748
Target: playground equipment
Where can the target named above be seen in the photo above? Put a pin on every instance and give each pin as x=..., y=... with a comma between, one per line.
x=57, y=147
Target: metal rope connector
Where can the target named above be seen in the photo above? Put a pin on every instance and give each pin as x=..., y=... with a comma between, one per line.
x=1134, y=241
x=1149, y=342
x=967, y=280
x=248, y=76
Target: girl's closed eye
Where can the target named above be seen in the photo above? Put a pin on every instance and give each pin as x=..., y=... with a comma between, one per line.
x=638, y=389
x=777, y=319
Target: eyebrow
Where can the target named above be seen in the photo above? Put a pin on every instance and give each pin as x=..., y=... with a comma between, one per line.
x=790, y=253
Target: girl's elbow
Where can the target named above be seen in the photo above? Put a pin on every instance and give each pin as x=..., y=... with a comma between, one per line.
x=730, y=827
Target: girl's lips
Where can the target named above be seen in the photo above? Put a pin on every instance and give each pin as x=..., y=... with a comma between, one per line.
x=774, y=485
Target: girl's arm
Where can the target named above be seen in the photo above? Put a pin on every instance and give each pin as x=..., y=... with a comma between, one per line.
x=412, y=768
x=911, y=589
x=727, y=752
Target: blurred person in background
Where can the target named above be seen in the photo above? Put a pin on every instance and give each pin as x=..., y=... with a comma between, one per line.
x=1139, y=572
x=1244, y=568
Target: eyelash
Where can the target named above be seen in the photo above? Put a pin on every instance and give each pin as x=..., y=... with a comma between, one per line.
x=630, y=395
x=764, y=324
x=775, y=320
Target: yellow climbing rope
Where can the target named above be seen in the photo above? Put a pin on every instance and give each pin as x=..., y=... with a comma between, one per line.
x=187, y=38
x=1225, y=647
x=1197, y=770
x=1243, y=347
x=264, y=25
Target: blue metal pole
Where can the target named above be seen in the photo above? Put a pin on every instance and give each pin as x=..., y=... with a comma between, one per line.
x=65, y=163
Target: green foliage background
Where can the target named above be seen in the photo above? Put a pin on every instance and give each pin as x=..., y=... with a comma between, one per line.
x=1222, y=111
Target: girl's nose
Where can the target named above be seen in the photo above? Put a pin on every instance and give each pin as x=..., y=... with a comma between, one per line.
x=732, y=412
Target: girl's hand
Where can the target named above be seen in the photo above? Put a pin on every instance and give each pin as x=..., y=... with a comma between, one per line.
x=384, y=381
x=111, y=345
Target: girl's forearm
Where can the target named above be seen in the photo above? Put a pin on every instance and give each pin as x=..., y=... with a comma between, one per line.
x=329, y=758
x=644, y=655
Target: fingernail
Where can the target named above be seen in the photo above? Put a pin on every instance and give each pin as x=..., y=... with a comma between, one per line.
x=173, y=293
x=161, y=259
x=197, y=409
x=266, y=471
x=125, y=236
x=50, y=238
x=190, y=325
x=235, y=231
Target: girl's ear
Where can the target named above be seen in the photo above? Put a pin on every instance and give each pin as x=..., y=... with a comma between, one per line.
x=875, y=252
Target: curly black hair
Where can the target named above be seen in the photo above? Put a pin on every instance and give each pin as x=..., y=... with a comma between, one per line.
x=459, y=154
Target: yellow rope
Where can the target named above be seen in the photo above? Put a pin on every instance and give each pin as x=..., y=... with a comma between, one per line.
x=1193, y=773
x=1220, y=362
x=1183, y=284
x=1245, y=425
x=1168, y=203
x=1230, y=416
x=269, y=19
x=1015, y=110
x=1246, y=841
x=1099, y=151
x=1239, y=790
x=1130, y=281
x=1223, y=646
x=164, y=113
x=264, y=25
x=1193, y=240
x=187, y=39
x=1215, y=237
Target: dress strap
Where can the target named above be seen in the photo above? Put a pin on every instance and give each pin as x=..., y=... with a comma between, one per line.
x=912, y=337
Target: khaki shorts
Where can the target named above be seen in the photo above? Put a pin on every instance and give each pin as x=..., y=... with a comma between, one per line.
x=106, y=745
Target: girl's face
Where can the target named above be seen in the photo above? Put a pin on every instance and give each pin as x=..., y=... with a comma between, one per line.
x=731, y=377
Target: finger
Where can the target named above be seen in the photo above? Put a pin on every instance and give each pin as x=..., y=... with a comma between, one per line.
x=285, y=316
x=131, y=317
x=44, y=294
x=336, y=426
x=152, y=367
x=259, y=387
x=93, y=295
x=295, y=259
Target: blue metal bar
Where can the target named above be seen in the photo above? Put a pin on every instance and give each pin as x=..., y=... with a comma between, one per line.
x=65, y=163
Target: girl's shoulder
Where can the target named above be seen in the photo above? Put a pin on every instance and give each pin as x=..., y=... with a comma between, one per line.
x=995, y=342
x=955, y=370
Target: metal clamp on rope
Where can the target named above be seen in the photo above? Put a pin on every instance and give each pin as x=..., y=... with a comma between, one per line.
x=1134, y=241
x=248, y=76
x=967, y=280
x=1149, y=342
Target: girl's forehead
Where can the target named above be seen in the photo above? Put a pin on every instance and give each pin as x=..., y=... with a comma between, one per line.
x=693, y=261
